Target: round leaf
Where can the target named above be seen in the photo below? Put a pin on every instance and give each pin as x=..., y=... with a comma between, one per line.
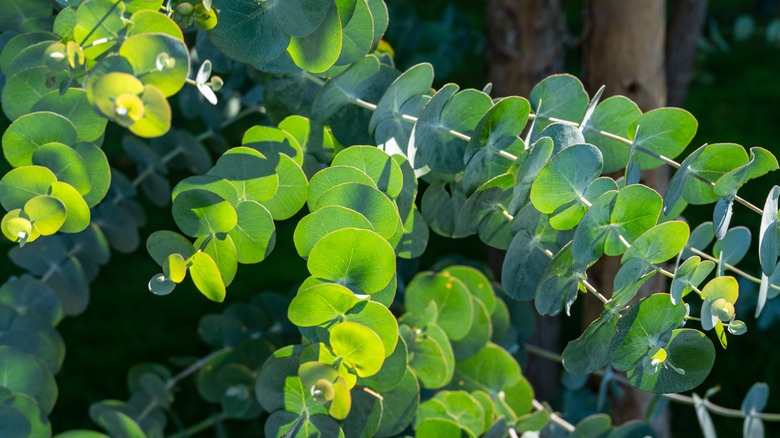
x=354, y=258
x=359, y=346
x=29, y=132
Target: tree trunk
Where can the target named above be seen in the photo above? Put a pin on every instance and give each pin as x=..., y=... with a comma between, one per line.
x=683, y=40
x=525, y=45
x=623, y=49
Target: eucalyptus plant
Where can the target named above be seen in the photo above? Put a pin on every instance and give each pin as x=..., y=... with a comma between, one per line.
x=369, y=160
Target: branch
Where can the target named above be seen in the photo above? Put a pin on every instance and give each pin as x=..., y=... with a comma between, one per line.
x=684, y=399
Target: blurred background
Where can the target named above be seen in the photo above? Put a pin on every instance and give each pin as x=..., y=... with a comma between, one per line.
x=732, y=88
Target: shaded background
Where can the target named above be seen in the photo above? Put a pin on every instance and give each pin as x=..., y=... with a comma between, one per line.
x=733, y=93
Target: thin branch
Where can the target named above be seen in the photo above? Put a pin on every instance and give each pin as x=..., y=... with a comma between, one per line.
x=554, y=417
x=593, y=290
x=684, y=399
x=730, y=267
x=173, y=381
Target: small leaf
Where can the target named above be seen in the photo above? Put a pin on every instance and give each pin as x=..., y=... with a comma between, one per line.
x=355, y=258
x=206, y=276
x=359, y=346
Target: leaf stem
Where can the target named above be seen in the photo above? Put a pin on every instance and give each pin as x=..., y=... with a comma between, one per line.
x=198, y=427
x=593, y=290
x=684, y=399
x=730, y=267
x=173, y=381
x=554, y=417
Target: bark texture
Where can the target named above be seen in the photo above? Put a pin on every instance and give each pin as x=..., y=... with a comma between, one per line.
x=525, y=45
x=624, y=50
x=687, y=21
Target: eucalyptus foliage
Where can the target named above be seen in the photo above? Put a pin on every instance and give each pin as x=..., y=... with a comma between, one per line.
x=371, y=160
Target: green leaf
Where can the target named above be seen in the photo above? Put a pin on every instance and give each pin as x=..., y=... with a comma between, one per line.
x=97, y=19
x=647, y=325
x=20, y=372
x=158, y=59
x=248, y=31
x=22, y=90
x=150, y=21
x=157, y=114
x=319, y=50
x=711, y=162
x=558, y=287
x=281, y=424
x=13, y=423
x=24, y=183
x=371, y=203
x=496, y=132
x=431, y=142
x=354, y=258
x=761, y=162
x=47, y=214
x=380, y=167
x=590, y=352
x=78, y=214
x=332, y=176
x=291, y=194
x=478, y=335
x=222, y=250
x=659, y=243
x=206, y=276
x=665, y=131
x=733, y=246
x=437, y=428
x=162, y=244
x=17, y=12
x=452, y=298
x=28, y=133
x=249, y=171
x=613, y=115
x=320, y=304
x=486, y=211
x=359, y=81
x=563, y=180
x=415, y=238
x=413, y=82
x=476, y=282
x=561, y=96
x=316, y=225
x=366, y=414
x=66, y=163
x=441, y=204
x=216, y=185
x=689, y=275
x=198, y=213
x=392, y=371
x=99, y=172
x=768, y=238
x=358, y=35
x=530, y=252
x=74, y=106
x=358, y=346
x=254, y=235
x=689, y=351
x=628, y=213
x=379, y=319
x=492, y=370
x=432, y=357
x=26, y=294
